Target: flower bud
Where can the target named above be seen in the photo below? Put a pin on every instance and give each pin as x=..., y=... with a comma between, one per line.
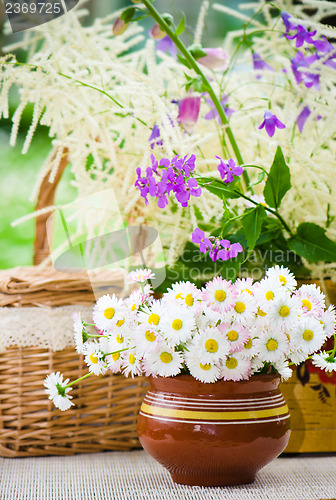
x=156, y=32
x=119, y=27
x=215, y=59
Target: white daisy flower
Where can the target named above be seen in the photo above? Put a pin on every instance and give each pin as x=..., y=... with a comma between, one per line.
x=308, y=336
x=282, y=367
x=219, y=294
x=94, y=358
x=312, y=291
x=272, y=345
x=244, y=285
x=327, y=320
x=140, y=275
x=311, y=299
x=177, y=325
x=244, y=308
x=79, y=333
x=235, y=334
x=283, y=276
x=57, y=390
x=107, y=311
x=284, y=311
x=131, y=363
x=165, y=362
x=207, y=317
x=256, y=364
x=138, y=297
x=147, y=339
x=151, y=316
x=236, y=367
x=211, y=345
x=205, y=372
x=266, y=291
x=114, y=362
x=297, y=357
x=325, y=361
x=184, y=293
x=249, y=348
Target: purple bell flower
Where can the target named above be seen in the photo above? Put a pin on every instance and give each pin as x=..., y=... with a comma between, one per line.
x=271, y=122
x=166, y=44
x=213, y=113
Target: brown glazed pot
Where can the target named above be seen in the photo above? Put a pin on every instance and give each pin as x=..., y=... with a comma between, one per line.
x=215, y=434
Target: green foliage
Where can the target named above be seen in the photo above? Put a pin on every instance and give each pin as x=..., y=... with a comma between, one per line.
x=278, y=181
x=252, y=222
x=218, y=187
x=181, y=26
x=311, y=242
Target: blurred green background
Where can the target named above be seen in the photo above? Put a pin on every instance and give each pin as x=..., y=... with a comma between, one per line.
x=18, y=173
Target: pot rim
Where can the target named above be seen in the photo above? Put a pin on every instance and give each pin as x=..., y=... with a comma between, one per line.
x=188, y=384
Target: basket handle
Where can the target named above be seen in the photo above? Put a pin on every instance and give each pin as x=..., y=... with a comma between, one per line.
x=45, y=199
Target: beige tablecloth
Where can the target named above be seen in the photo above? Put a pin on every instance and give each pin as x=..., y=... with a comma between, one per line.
x=136, y=476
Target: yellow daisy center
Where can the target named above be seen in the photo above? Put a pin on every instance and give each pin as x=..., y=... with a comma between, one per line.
x=166, y=357
x=308, y=335
x=269, y=295
x=260, y=312
x=240, y=307
x=120, y=322
x=271, y=345
x=248, y=344
x=282, y=279
x=93, y=359
x=120, y=339
x=220, y=295
x=179, y=296
x=232, y=335
x=133, y=308
x=131, y=359
x=116, y=356
x=109, y=313
x=284, y=311
x=150, y=336
x=189, y=300
x=205, y=367
x=177, y=324
x=231, y=363
x=306, y=303
x=211, y=345
x=247, y=290
x=154, y=319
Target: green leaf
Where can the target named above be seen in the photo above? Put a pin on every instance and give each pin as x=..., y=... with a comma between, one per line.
x=180, y=28
x=311, y=243
x=252, y=225
x=128, y=14
x=217, y=187
x=183, y=61
x=196, y=51
x=278, y=181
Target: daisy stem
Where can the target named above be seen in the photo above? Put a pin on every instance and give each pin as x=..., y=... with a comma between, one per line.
x=78, y=380
x=193, y=64
x=98, y=336
x=115, y=352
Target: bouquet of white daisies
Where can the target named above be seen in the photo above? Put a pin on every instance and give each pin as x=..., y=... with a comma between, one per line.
x=224, y=331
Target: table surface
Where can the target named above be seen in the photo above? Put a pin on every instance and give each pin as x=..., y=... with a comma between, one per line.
x=136, y=476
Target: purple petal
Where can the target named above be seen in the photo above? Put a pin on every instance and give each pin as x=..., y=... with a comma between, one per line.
x=189, y=110
x=302, y=118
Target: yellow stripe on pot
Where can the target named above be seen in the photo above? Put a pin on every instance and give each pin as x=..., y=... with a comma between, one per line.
x=216, y=415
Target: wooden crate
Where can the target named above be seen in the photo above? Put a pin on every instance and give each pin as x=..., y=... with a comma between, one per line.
x=311, y=397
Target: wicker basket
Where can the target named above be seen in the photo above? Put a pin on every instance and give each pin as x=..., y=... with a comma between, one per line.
x=106, y=408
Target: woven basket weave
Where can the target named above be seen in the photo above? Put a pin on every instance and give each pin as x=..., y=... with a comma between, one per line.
x=106, y=408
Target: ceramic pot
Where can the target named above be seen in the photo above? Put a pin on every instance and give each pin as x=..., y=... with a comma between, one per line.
x=216, y=434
